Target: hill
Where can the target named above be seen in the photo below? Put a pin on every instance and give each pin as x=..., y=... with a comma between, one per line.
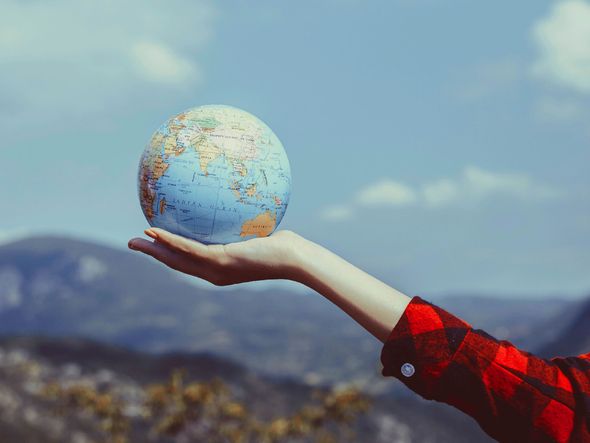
x=574, y=338
x=63, y=287
x=68, y=287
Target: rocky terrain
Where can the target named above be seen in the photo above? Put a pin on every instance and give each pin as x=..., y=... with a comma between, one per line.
x=28, y=365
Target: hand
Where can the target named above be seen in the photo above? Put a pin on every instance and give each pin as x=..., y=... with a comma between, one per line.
x=261, y=258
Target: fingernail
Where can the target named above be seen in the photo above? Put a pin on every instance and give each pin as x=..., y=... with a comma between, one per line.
x=131, y=245
x=151, y=233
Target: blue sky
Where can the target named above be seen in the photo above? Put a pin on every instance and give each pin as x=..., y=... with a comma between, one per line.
x=441, y=146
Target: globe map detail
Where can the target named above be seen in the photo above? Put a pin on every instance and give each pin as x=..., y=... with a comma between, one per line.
x=216, y=174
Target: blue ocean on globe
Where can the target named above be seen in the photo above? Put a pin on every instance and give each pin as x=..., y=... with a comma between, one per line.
x=216, y=174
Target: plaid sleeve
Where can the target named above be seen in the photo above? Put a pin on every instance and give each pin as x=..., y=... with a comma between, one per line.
x=512, y=394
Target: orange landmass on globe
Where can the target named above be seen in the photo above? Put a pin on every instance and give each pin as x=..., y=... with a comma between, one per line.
x=153, y=167
x=177, y=123
x=262, y=225
x=251, y=190
x=171, y=147
x=235, y=187
x=240, y=168
x=208, y=152
x=162, y=205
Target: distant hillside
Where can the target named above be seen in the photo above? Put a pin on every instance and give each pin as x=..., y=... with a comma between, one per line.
x=527, y=323
x=66, y=287
x=62, y=286
x=27, y=364
x=574, y=338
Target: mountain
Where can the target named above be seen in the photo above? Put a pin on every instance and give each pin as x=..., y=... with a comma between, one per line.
x=526, y=322
x=79, y=295
x=68, y=287
x=63, y=287
x=28, y=364
x=574, y=338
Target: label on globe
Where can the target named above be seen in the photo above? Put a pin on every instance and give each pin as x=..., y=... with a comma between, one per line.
x=216, y=174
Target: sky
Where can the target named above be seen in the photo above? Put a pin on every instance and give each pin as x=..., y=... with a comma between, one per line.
x=442, y=146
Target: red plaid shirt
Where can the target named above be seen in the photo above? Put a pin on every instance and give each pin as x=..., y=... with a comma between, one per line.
x=512, y=394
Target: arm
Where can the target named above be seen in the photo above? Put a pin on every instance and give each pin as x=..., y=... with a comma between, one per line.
x=373, y=304
x=513, y=395
x=284, y=255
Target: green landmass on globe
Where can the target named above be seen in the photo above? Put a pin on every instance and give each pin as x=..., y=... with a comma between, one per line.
x=216, y=174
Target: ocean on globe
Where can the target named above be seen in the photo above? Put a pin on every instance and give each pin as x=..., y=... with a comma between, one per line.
x=216, y=174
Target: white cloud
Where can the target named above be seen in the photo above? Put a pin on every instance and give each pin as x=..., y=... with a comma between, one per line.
x=563, y=42
x=159, y=63
x=561, y=110
x=489, y=78
x=473, y=185
x=336, y=213
x=477, y=183
x=71, y=58
x=386, y=192
x=440, y=192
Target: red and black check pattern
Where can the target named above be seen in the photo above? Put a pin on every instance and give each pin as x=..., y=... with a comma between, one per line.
x=515, y=396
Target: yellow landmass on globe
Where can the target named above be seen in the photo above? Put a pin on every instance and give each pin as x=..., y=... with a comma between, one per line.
x=177, y=123
x=235, y=187
x=208, y=152
x=240, y=167
x=153, y=168
x=251, y=190
x=172, y=148
x=262, y=225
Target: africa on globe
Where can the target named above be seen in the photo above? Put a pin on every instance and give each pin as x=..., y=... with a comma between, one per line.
x=216, y=174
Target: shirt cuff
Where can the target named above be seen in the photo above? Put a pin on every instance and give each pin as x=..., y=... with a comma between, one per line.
x=422, y=345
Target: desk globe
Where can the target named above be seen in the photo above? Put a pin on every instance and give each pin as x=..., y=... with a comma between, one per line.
x=216, y=174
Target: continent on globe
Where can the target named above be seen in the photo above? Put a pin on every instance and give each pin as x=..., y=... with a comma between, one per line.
x=261, y=225
x=216, y=174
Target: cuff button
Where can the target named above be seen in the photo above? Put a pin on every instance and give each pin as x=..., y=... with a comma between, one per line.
x=408, y=369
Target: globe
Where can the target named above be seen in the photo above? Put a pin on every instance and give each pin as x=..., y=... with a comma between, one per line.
x=216, y=174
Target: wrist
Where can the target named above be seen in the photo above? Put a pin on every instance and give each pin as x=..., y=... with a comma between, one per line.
x=297, y=252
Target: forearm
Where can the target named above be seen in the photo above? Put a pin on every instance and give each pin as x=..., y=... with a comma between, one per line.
x=373, y=304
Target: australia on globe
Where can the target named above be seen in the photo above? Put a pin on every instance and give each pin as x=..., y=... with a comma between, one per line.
x=216, y=174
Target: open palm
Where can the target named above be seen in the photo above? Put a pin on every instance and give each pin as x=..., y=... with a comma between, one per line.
x=260, y=258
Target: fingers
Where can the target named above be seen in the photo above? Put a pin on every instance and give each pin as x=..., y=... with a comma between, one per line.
x=174, y=259
x=177, y=242
x=159, y=252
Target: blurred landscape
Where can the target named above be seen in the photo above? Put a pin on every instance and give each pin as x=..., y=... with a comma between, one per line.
x=76, y=310
x=440, y=146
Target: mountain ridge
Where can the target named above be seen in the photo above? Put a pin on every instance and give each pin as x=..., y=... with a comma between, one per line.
x=61, y=286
